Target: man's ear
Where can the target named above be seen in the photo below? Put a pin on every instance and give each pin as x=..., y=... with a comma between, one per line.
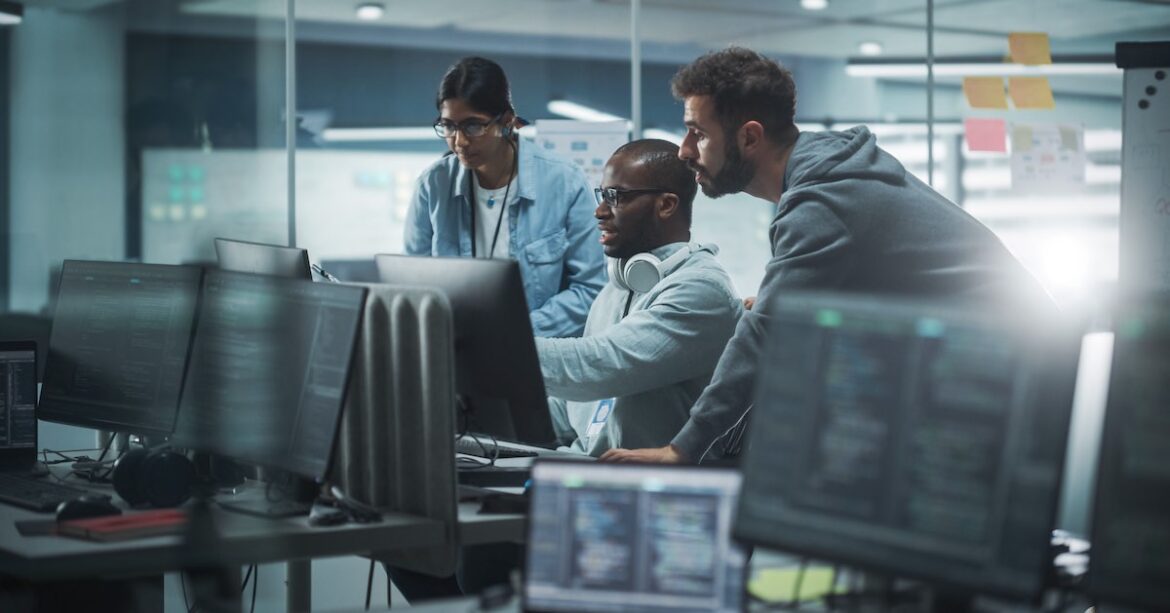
x=667, y=206
x=751, y=137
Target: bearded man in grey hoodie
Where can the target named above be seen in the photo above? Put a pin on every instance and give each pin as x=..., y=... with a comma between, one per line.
x=849, y=218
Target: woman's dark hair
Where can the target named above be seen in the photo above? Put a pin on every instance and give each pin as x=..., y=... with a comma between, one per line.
x=479, y=81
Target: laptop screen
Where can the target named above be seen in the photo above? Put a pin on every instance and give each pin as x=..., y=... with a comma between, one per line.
x=18, y=401
x=606, y=537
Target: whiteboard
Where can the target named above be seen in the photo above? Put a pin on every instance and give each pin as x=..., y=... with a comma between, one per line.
x=1145, y=179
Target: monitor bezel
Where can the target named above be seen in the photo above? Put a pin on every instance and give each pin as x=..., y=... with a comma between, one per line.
x=290, y=262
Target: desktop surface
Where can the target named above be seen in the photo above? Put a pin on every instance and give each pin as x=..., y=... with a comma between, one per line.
x=606, y=537
x=1130, y=561
x=119, y=345
x=917, y=441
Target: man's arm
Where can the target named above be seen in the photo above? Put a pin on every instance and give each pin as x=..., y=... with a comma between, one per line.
x=812, y=249
x=679, y=336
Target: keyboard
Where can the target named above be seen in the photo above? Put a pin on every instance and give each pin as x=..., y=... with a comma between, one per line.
x=36, y=494
x=483, y=448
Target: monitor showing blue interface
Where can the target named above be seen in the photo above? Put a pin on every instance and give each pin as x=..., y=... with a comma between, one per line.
x=119, y=345
x=269, y=369
x=1130, y=561
x=919, y=441
x=607, y=537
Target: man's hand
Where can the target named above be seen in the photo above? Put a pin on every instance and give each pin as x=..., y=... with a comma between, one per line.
x=749, y=302
x=656, y=455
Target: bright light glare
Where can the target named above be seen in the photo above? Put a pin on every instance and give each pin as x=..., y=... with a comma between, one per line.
x=870, y=48
x=370, y=11
x=580, y=112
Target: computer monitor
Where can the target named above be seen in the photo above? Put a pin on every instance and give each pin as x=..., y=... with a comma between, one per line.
x=119, y=345
x=608, y=537
x=261, y=259
x=18, y=402
x=355, y=271
x=497, y=373
x=268, y=371
x=914, y=440
x=1130, y=560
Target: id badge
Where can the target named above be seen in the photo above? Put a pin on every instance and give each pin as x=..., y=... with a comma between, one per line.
x=597, y=424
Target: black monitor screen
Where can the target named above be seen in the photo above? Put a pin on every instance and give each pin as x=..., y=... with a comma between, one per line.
x=606, y=537
x=920, y=442
x=18, y=399
x=268, y=372
x=261, y=259
x=496, y=368
x=1130, y=561
x=119, y=345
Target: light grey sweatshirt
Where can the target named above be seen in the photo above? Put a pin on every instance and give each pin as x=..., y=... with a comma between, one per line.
x=852, y=219
x=653, y=363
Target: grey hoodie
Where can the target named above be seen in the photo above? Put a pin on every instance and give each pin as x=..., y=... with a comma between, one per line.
x=852, y=219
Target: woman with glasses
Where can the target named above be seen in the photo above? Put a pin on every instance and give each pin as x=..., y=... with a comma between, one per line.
x=493, y=197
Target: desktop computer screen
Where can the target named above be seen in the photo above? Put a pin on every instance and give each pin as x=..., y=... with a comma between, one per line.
x=1130, y=561
x=119, y=345
x=18, y=401
x=914, y=440
x=268, y=371
x=609, y=537
x=262, y=259
x=496, y=369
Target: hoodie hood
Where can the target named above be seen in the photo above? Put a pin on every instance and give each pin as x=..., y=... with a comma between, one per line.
x=823, y=157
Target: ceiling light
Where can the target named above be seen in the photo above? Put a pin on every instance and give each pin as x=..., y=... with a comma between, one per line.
x=10, y=13
x=580, y=112
x=870, y=48
x=814, y=5
x=356, y=135
x=370, y=11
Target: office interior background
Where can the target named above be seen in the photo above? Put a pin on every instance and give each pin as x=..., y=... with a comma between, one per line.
x=141, y=129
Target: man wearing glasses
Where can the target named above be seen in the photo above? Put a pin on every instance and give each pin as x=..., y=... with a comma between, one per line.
x=656, y=330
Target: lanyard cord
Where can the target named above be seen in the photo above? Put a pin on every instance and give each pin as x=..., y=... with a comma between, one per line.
x=629, y=300
x=503, y=206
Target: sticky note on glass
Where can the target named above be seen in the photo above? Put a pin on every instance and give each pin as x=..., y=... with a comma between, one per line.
x=1031, y=93
x=1029, y=48
x=1021, y=138
x=1070, y=138
x=779, y=584
x=985, y=92
x=986, y=134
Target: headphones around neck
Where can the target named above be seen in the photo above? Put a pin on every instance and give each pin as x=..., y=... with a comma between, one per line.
x=640, y=273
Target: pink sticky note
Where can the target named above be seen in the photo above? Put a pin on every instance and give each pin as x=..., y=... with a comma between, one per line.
x=986, y=134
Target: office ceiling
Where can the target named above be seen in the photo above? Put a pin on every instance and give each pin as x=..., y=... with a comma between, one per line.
x=782, y=27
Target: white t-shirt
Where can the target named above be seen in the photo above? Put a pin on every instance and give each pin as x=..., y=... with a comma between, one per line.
x=490, y=209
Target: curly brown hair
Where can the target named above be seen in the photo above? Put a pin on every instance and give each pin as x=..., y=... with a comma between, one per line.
x=745, y=86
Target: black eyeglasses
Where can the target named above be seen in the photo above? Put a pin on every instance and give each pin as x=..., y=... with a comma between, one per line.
x=613, y=196
x=471, y=128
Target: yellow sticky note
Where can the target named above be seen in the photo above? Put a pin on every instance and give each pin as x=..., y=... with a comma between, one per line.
x=1031, y=93
x=1021, y=138
x=1029, y=48
x=778, y=584
x=985, y=92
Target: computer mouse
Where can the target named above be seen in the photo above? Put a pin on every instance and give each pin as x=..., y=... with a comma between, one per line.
x=86, y=507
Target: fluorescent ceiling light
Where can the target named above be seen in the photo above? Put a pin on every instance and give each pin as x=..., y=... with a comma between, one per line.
x=580, y=112
x=354, y=135
x=870, y=48
x=976, y=67
x=814, y=5
x=11, y=13
x=370, y=11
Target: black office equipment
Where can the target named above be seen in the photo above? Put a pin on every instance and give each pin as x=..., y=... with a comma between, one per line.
x=916, y=440
x=262, y=259
x=18, y=402
x=35, y=495
x=119, y=344
x=359, y=271
x=1130, y=559
x=160, y=478
x=268, y=371
x=623, y=537
x=497, y=373
x=85, y=507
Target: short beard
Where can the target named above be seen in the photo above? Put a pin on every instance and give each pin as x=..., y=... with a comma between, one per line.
x=733, y=177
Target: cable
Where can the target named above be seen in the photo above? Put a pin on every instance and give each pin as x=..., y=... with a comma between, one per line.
x=183, y=584
x=796, y=583
x=247, y=576
x=255, y=583
x=370, y=585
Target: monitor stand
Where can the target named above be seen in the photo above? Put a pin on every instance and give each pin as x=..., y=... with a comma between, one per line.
x=281, y=495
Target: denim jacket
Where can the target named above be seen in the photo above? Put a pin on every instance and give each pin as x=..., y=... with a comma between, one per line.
x=552, y=233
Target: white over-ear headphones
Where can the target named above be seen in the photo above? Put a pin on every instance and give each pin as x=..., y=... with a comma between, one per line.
x=642, y=272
